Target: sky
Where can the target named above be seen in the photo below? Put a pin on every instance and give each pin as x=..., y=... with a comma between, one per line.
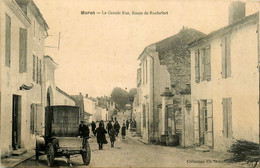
x=99, y=52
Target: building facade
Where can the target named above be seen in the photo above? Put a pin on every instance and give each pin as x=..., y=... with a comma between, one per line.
x=62, y=98
x=225, y=82
x=23, y=30
x=163, y=64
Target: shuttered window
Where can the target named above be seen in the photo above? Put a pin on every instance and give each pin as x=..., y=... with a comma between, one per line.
x=227, y=117
x=40, y=71
x=33, y=74
x=22, y=50
x=203, y=64
x=37, y=70
x=7, y=40
x=207, y=64
x=32, y=118
x=197, y=67
x=202, y=67
x=226, y=57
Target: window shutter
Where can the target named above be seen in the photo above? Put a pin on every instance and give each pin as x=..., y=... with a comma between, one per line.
x=33, y=75
x=196, y=122
x=197, y=67
x=228, y=57
x=40, y=76
x=23, y=50
x=37, y=70
x=202, y=68
x=225, y=122
x=7, y=40
x=229, y=115
x=208, y=64
x=223, y=44
x=210, y=138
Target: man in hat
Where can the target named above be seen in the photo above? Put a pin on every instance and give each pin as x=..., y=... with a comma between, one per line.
x=83, y=132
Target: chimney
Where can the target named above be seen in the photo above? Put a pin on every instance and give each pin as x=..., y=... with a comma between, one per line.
x=86, y=95
x=237, y=11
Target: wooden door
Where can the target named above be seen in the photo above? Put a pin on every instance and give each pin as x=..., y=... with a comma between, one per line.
x=196, y=122
x=209, y=131
x=16, y=122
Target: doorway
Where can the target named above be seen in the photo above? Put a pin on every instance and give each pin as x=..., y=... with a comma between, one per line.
x=16, y=122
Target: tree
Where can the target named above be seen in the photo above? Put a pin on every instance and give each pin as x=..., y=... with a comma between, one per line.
x=120, y=97
x=131, y=95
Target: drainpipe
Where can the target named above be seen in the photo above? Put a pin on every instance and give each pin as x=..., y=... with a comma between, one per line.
x=258, y=66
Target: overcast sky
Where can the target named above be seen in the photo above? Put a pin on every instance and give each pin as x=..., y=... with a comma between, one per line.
x=99, y=52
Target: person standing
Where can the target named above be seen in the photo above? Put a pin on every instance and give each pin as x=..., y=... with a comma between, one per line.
x=117, y=127
x=123, y=131
x=93, y=127
x=112, y=135
x=101, y=135
x=83, y=132
x=109, y=126
x=127, y=124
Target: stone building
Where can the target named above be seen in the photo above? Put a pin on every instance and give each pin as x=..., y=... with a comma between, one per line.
x=163, y=64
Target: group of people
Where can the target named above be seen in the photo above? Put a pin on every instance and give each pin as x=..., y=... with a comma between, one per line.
x=100, y=132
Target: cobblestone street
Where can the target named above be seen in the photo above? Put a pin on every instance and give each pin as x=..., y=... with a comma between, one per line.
x=132, y=153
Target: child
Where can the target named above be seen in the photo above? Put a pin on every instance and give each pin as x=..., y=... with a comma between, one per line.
x=112, y=135
x=123, y=131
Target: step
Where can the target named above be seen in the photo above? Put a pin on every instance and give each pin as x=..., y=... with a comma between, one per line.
x=19, y=152
x=202, y=149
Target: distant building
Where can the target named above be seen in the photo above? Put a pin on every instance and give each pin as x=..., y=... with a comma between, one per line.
x=80, y=103
x=225, y=82
x=23, y=30
x=90, y=105
x=162, y=64
x=62, y=98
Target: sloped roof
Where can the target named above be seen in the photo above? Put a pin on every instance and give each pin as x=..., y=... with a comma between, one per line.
x=64, y=93
x=177, y=44
x=226, y=29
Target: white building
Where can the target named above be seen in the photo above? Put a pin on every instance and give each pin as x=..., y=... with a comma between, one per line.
x=23, y=30
x=90, y=105
x=225, y=82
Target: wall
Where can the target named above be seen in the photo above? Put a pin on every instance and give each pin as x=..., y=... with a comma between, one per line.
x=11, y=79
x=90, y=107
x=149, y=93
x=61, y=99
x=242, y=86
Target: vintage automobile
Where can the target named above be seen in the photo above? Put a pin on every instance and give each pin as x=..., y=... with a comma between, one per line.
x=61, y=135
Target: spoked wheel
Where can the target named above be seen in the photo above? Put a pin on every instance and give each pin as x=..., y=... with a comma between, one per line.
x=86, y=154
x=50, y=154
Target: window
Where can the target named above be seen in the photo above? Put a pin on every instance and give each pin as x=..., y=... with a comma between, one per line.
x=33, y=75
x=197, y=66
x=40, y=71
x=226, y=57
x=37, y=70
x=203, y=64
x=32, y=118
x=227, y=117
x=7, y=40
x=22, y=50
